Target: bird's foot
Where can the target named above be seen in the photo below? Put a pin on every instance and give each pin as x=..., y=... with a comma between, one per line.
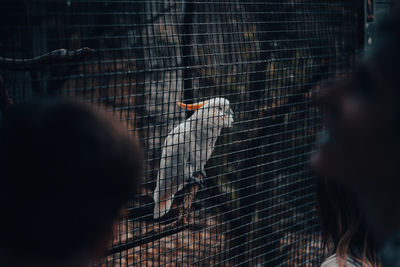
x=202, y=172
x=196, y=180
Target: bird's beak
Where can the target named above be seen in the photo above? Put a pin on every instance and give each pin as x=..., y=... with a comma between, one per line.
x=191, y=106
x=230, y=112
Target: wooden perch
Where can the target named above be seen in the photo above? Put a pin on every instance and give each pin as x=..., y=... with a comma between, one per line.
x=180, y=224
x=56, y=56
x=5, y=99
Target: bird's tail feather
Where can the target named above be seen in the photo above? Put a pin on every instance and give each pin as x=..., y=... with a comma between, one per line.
x=162, y=207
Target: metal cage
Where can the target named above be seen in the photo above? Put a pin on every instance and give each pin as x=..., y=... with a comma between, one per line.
x=138, y=58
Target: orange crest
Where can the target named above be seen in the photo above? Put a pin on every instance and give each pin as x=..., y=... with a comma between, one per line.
x=191, y=106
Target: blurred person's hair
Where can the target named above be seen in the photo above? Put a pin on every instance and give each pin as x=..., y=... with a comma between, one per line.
x=66, y=171
x=344, y=227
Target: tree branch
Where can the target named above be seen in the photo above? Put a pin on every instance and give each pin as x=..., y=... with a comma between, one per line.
x=56, y=56
x=180, y=224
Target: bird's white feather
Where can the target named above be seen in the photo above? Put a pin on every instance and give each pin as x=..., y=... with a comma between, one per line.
x=187, y=149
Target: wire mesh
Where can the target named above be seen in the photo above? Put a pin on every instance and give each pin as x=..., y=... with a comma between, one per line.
x=268, y=58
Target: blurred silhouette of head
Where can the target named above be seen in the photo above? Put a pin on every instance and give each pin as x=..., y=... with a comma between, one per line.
x=66, y=171
x=362, y=142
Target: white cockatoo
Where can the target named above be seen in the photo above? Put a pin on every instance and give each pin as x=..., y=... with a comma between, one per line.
x=187, y=149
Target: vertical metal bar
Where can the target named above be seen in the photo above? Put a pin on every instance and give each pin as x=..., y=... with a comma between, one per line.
x=369, y=25
x=374, y=13
x=39, y=44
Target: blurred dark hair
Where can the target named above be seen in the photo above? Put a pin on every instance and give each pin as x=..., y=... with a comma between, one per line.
x=66, y=171
x=343, y=224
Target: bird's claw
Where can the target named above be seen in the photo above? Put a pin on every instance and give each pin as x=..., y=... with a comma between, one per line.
x=195, y=180
x=202, y=172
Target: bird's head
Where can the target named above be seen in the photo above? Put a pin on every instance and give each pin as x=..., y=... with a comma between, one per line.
x=216, y=111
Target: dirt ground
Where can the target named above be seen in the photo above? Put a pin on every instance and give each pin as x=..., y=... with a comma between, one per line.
x=204, y=246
